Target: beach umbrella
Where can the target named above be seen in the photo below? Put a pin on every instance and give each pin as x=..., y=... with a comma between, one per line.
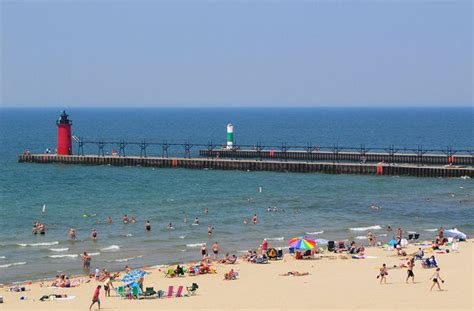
x=304, y=243
x=455, y=233
x=133, y=276
x=321, y=241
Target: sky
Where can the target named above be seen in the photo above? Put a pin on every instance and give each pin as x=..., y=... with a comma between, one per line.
x=236, y=53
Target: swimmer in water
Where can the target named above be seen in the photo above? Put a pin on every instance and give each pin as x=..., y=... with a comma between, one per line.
x=147, y=226
x=125, y=219
x=246, y=221
x=275, y=209
x=170, y=226
x=269, y=209
x=109, y=220
x=209, y=231
x=72, y=233
x=206, y=210
x=94, y=235
x=35, y=228
x=185, y=219
x=254, y=219
x=133, y=221
x=196, y=221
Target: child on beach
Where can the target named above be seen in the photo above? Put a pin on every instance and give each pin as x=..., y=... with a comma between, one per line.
x=95, y=297
x=411, y=265
x=435, y=277
x=383, y=274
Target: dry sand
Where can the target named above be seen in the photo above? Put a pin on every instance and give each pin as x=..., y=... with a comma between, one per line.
x=344, y=284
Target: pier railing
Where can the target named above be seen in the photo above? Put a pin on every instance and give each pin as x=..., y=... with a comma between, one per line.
x=309, y=152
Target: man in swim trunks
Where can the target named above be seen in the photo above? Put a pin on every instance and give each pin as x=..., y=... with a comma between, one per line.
x=72, y=233
x=86, y=262
x=147, y=226
x=95, y=297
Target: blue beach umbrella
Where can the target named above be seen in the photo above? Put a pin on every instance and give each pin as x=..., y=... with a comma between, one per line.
x=133, y=276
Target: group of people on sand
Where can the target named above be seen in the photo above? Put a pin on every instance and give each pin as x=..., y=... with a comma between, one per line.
x=61, y=280
x=435, y=278
x=39, y=227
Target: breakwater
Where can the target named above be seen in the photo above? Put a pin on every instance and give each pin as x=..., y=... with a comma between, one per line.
x=256, y=165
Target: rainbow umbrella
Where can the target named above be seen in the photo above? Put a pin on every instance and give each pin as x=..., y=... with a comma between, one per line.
x=304, y=243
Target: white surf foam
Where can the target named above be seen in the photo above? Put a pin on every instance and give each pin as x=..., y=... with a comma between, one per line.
x=276, y=239
x=194, y=245
x=129, y=235
x=158, y=266
x=361, y=237
x=182, y=236
x=431, y=230
x=376, y=227
x=94, y=254
x=64, y=256
x=383, y=234
x=127, y=259
x=314, y=233
x=13, y=264
x=59, y=249
x=39, y=244
x=2, y=257
x=111, y=248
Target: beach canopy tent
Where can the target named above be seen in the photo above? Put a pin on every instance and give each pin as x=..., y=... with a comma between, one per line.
x=302, y=243
x=455, y=233
x=133, y=276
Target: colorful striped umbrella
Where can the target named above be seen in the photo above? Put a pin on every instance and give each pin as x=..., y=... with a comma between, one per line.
x=304, y=243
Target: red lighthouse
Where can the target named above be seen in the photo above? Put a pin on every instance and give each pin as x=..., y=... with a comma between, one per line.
x=64, y=134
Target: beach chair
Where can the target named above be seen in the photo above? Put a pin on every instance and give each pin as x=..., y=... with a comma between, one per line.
x=170, y=291
x=149, y=292
x=291, y=250
x=331, y=246
x=279, y=254
x=179, y=293
x=136, y=291
x=192, y=289
x=120, y=291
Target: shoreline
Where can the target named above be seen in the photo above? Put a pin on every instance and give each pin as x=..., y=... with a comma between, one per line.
x=331, y=275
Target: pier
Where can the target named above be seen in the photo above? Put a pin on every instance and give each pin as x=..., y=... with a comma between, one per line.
x=255, y=165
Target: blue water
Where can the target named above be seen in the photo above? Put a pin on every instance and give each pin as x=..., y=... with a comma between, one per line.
x=312, y=202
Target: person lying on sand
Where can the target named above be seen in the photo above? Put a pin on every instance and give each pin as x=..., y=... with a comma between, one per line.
x=231, y=275
x=294, y=273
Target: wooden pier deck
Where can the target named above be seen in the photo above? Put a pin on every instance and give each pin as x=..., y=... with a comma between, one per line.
x=342, y=156
x=255, y=165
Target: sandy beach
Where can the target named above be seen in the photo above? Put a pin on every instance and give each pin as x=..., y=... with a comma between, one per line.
x=334, y=283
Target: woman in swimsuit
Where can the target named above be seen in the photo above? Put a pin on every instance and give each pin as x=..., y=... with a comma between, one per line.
x=383, y=274
x=209, y=231
x=94, y=235
x=435, y=277
x=204, y=250
x=411, y=265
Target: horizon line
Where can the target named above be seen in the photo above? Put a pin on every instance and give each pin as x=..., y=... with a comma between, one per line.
x=231, y=107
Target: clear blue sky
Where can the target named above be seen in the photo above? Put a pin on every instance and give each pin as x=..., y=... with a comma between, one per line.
x=236, y=53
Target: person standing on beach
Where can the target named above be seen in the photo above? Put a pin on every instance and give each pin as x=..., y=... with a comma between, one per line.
x=383, y=274
x=86, y=262
x=264, y=246
x=436, y=277
x=95, y=297
x=215, y=250
x=411, y=265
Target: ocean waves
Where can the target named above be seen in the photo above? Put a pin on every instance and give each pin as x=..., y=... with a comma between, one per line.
x=8, y=265
x=376, y=227
x=38, y=244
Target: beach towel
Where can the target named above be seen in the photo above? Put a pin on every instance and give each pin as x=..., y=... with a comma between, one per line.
x=65, y=298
